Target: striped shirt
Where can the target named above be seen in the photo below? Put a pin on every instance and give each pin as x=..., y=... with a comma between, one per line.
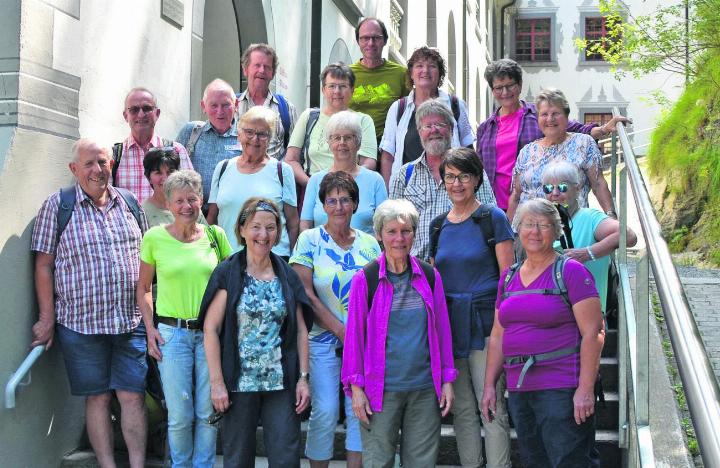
x=275, y=149
x=430, y=199
x=130, y=173
x=96, y=263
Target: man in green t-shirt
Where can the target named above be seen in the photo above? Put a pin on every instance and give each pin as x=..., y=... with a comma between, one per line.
x=378, y=82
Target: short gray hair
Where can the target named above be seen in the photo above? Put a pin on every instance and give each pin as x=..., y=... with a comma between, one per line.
x=344, y=120
x=538, y=207
x=561, y=171
x=83, y=144
x=181, y=180
x=218, y=84
x=397, y=209
x=503, y=68
x=433, y=107
x=553, y=97
x=259, y=114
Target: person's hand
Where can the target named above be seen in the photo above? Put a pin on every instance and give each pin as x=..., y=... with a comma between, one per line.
x=219, y=396
x=341, y=334
x=361, y=405
x=154, y=340
x=488, y=405
x=581, y=255
x=302, y=395
x=43, y=333
x=446, y=398
x=611, y=126
x=584, y=402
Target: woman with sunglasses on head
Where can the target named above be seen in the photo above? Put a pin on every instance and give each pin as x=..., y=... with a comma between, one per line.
x=594, y=235
x=326, y=258
x=513, y=125
x=254, y=173
x=401, y=141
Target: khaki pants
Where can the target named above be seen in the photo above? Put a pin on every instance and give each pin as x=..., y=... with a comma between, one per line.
x=466, y=418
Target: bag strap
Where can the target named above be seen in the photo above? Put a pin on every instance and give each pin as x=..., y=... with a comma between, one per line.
x=212, y=237
x=455, y=107
x=193, y=139
x=402, y=104
x=222, y=169
x=482, y=217
x=560, y=288
x=309, y=126
x=117, y=152
x=132, y=204
x=372, y=278
x=280, y=174
x=284, y=111
x=408, y=172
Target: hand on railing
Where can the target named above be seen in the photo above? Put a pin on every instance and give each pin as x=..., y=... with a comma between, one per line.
x=611, y=126
x=43, y=333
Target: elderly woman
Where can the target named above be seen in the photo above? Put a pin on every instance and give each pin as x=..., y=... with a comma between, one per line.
x=397, y=362
x=470, y=245
x=549, y=333
x=558, y=145
x=344, y=136
x=513, y=125
x=325, y=258
x=401, y=139
x=254, y=173
x=309, y=150
x=158, y=164
x=594, y=235
x=183, y=255
x=255, y=313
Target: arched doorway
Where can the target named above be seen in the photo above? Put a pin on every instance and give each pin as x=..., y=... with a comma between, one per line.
x=340, y=53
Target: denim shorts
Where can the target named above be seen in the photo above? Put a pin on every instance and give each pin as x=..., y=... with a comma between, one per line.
x=96, y=364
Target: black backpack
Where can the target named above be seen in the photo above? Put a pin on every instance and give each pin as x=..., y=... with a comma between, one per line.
x=481, y=217
x=372, y=276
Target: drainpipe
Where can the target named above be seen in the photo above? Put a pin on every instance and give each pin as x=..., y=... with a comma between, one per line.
x=466, y=74
x=502, y=28
x=315, y=50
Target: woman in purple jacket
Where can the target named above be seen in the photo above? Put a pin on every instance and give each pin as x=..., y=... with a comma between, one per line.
x=397, y=360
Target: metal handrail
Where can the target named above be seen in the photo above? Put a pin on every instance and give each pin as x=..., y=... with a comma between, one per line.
x=700, y=385
x=19, y=374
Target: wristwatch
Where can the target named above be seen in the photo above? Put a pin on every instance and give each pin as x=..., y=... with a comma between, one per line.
x=305, y=375
x=611, y=213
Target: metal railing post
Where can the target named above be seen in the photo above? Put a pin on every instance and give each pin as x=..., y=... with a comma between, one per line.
x=19, y=374
x=642, y=322
x=622, y=327
x=613, y=165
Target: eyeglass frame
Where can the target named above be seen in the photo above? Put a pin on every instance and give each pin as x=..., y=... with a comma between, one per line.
x=562, y=187
x=147, y=109
x=507, y=88
x=252, y=133
x=458, y=177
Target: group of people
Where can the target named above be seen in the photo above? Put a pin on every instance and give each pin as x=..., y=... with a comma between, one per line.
x=266, y=260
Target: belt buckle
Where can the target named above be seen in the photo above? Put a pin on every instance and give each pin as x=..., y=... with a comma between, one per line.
x=191, y=324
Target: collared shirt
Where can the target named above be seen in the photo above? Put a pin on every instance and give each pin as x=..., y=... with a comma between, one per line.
x=529, y=131
x=393, y=140
x=97, y=263
x=366, y=333
x=211, y=148
x=131, y=175
x=275, y=146
x=430, y=199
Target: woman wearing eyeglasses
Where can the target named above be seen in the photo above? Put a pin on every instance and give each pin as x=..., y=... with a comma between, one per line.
x=594, y=235
x=254, y=174
x=344, y=136
x=470, y=245
x=548, y=335
x=513, y=125
x=401, y=140
x=326, y=258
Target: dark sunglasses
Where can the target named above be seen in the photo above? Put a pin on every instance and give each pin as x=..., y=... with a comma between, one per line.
x=134, y=110
x=548, y=188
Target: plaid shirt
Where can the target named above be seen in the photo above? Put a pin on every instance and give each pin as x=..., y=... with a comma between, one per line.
x=97, y=263
x=529, y=132
x=430, y=199
x=275, y=149
x=131, y=175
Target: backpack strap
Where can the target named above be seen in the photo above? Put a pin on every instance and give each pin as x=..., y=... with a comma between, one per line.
x=132, y=205
x=280, y=175
x=436, y=226
x=402, y=104
x=194, y=137
x=455, y=107
x=408, y=172
x=284, y=111
x=559, y=290
x=429, y=273
x=222, y=169
x=65, y=210
x=117, y=151
x=372, y=278
x=212, y=237
x=309, y=126
x=558, y=269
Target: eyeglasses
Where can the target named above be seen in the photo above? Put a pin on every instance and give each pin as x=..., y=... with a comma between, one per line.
x=339, y=87
x=436, y=126
x=551, y=117
x=341, y=138
x=506, y=88
x=371, y=38
x=250, y=133
x=147, y=108
x=533, y=226
x=333, y=202
x=450, y=179
x=548, y=188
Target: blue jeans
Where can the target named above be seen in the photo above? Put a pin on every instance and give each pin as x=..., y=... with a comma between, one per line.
x=324, y=387
x=547, y=433
x=183, y=363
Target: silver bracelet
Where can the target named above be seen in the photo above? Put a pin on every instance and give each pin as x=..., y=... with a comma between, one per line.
x=590, y=252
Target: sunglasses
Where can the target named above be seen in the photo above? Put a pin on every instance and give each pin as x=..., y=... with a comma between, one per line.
x=562, y=187
x=134, y=110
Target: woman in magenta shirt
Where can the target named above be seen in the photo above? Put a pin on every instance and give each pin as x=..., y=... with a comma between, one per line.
x=397, y=360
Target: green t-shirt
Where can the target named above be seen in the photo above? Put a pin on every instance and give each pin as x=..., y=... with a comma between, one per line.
x=376, y=89
x=321, y=157
x=182, y=269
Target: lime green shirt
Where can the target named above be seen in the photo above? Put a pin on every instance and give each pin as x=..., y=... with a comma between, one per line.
x=182, y=269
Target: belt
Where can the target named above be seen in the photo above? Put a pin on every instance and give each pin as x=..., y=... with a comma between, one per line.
x=190, y=324
x=531, y=359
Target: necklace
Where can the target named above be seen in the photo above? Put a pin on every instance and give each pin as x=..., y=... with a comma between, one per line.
x=460, y=217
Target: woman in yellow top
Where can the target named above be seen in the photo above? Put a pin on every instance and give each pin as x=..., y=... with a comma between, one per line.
x=183, y=255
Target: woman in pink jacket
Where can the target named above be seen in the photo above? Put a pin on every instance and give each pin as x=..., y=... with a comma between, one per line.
x=397, y=359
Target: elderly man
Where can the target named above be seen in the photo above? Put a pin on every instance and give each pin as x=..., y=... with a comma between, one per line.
x=378, y=82
x=87, y=241
x=141, y=113
x=215, y=139
x=419, y=181
x=259, y=64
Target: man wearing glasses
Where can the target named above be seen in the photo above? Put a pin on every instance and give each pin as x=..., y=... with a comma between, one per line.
x=141, y=113
x=378, y=82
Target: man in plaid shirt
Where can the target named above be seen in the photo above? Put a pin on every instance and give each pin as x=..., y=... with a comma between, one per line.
x=85, y=285
x=419, y=181
x=141, y=113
